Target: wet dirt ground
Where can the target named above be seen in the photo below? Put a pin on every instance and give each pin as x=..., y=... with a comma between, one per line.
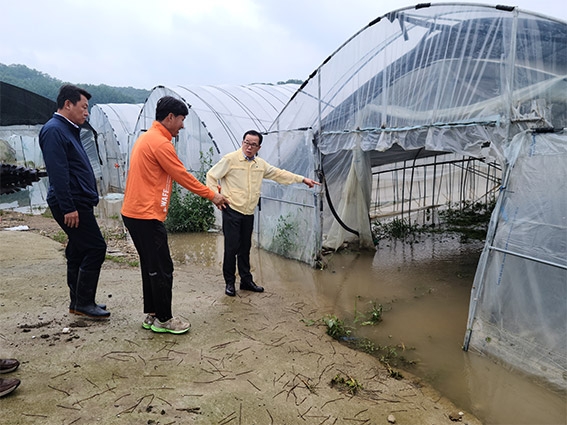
x=251, y=359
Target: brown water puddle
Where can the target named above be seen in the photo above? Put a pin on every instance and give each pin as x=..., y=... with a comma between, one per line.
x=424, y=289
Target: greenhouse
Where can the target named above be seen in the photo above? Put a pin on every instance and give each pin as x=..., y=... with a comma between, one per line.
x=218, y=117
x=22, y=114
x=114, y=124
x=431, y=105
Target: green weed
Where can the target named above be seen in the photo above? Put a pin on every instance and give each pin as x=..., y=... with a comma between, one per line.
x=336, y=327
x=346, y=383
x=286, y=235
x=396, y=229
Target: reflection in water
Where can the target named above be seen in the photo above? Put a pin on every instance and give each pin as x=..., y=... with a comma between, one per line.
x=196, y=249
x=424, y=289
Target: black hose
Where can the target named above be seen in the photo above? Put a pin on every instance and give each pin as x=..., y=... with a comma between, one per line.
x=328, y=197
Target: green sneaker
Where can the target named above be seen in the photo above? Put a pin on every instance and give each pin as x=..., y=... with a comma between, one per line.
x=172, y=326
x=148, y=321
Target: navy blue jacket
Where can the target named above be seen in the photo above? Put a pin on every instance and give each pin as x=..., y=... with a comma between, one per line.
x=72, y=182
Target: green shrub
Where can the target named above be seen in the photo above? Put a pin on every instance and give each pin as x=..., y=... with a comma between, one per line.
x=189, y=212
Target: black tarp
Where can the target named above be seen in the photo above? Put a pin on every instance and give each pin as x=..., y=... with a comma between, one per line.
x=23, y=107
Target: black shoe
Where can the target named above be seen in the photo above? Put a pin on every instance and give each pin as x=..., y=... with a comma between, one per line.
x=250, y=286
x=85, y=305
x=230, y=291
x=102, y=306
x=90, y=311
x=8, y=385
x=8, y=365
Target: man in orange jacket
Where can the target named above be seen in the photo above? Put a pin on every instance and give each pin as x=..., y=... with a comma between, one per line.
x=154, y=165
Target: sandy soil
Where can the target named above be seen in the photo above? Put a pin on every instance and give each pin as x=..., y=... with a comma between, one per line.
x=247, y=360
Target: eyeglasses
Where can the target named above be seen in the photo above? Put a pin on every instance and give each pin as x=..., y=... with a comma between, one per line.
x=252, y=145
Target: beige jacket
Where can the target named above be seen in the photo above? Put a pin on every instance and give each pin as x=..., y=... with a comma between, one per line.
x=240, y=179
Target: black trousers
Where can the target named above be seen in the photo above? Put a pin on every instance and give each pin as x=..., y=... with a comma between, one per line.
x=150, y=240
x=237, y=229
x=86, y=248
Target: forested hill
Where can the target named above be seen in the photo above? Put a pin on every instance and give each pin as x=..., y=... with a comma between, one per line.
x=47, y=86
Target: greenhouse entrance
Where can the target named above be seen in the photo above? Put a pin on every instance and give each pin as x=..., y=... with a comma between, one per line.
x=413, y=190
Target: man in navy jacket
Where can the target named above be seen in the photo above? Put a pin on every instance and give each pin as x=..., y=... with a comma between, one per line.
x=72, y=196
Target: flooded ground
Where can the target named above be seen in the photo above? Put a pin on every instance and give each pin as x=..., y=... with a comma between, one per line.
x=424, y=289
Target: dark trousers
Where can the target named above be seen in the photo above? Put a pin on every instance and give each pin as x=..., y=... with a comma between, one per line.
x=150, y=240
x=237, y=229
x=86, y=248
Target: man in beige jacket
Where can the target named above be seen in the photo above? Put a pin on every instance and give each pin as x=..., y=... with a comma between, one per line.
x=238, y=175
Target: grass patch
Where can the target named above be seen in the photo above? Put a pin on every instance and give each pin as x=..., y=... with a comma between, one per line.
x=60, y=237
x=122, y=260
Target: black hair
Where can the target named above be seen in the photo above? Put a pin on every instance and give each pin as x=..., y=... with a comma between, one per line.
x=72, y=94
x=169, y=104
x=253, y=133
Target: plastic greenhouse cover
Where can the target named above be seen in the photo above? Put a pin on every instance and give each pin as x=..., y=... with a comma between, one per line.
x=114, y=124
x=447, y=78
x=517, y=309
x=451, y=65
x=118, y=119
x=463, y=79
x=221, y=114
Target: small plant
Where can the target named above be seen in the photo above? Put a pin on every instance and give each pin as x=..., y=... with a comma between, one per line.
x=336, y=327
x=47, y=213
x=394, y=373
x=308, y=322
x=366, y=345
x=286, y=234
x=348, y=384
x=122, y=260
x=469, y=219
x=375, y=315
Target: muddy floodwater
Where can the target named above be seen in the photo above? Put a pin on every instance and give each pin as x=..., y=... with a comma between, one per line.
x=424, y=291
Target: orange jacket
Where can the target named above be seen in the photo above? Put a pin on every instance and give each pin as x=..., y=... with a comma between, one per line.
x=154, y=165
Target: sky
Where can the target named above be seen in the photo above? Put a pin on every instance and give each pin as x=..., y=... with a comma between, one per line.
x=146, y=43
